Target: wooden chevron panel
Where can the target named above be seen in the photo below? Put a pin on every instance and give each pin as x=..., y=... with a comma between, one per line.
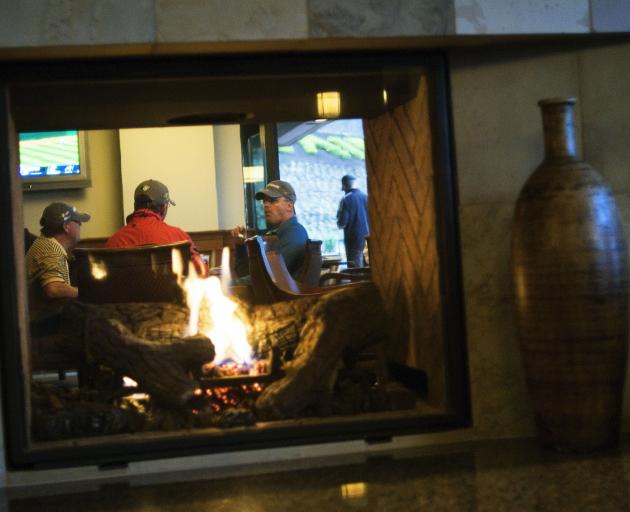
x=403, y=244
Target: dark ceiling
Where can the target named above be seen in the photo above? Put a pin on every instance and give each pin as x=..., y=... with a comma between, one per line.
x=85, y=100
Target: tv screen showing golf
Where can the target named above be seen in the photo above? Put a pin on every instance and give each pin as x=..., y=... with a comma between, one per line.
x=52, y=160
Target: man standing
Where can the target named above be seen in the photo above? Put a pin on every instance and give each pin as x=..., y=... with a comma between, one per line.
x=352, y=217
x=278, y=199
x=146, y=226
x=47, y=260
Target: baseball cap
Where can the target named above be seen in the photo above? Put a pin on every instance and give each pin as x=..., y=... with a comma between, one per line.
x=348, y=178
x=55, y=215
x=275, y=189
x=152, y=191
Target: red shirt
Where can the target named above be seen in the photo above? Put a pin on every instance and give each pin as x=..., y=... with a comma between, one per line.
x=146, y=227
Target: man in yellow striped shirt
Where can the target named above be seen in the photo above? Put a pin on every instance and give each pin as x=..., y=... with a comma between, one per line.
x=47, y=260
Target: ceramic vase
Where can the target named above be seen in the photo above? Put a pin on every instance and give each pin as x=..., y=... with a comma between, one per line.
x=569, y=270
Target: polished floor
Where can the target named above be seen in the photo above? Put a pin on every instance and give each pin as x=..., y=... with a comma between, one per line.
x=492, y=476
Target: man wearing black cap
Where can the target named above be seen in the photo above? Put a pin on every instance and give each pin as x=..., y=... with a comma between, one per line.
x=47, y=260
x=278, y=199
x=146, y=226
x=352, y=217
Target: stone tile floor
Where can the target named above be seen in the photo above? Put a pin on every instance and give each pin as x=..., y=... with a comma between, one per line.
x=490, y=476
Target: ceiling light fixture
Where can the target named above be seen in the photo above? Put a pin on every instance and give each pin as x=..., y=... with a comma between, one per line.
x=328, y=104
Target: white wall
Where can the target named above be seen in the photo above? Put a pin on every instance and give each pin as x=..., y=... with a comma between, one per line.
x=200, y=165
x=183, y=159
x=229, y=171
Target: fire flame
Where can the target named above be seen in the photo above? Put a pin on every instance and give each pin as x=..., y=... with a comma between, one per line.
x=226, y=330
x=97, y=268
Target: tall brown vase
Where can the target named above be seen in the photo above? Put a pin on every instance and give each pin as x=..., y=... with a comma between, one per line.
x=570, y=281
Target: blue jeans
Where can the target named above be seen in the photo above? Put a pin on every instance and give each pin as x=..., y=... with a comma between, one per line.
x=354, y=256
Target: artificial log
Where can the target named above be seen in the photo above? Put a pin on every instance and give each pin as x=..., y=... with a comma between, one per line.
x=162, y=369
x=62, y=412
x=277, y=325
x=146, y=342
x=146, y=320
x=350, y=319
x=163, y=362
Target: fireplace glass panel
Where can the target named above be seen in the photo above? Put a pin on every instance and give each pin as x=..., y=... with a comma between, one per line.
x=138, y=372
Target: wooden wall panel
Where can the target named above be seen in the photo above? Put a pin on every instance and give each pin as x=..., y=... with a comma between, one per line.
x=403, y=244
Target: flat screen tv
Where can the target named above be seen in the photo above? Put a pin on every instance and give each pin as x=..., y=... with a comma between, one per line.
x=53, y=160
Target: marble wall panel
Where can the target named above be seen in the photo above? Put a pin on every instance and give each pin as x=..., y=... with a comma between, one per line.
x=521, y=17
x=604, y=82
x=497, y=122
x=237, y=20
x=610, y=15
x=379, y=18
x=31, y=23
x=75, y=22
x=501, y=406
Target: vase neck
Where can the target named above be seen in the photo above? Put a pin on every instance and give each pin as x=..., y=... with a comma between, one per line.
x=558, y=128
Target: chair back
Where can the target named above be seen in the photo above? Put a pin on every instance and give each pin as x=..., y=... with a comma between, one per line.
x=135, y=274
x=312, y=267
x=268, y=272
x=270, y=279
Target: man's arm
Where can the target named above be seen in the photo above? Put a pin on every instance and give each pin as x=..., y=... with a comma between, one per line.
x=200, y=265
x=60, y=290
x=342, y=215
x=53, y=277
x=195, y=256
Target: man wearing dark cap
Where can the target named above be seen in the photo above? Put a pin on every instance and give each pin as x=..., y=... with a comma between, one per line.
x=352, y=217
x=47, y=260
x=146, y=226
x=278, y=199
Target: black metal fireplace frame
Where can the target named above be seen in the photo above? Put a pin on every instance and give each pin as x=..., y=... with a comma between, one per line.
x=19, y=453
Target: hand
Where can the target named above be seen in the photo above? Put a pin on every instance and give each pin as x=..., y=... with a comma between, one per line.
x=239, y=232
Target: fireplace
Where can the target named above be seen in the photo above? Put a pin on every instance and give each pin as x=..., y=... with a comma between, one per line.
x=398, y=368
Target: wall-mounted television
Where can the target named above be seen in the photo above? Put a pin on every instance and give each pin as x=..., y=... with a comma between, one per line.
x=53, y=160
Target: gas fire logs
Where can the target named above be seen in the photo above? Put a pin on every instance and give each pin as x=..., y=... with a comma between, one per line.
x=312, y=338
